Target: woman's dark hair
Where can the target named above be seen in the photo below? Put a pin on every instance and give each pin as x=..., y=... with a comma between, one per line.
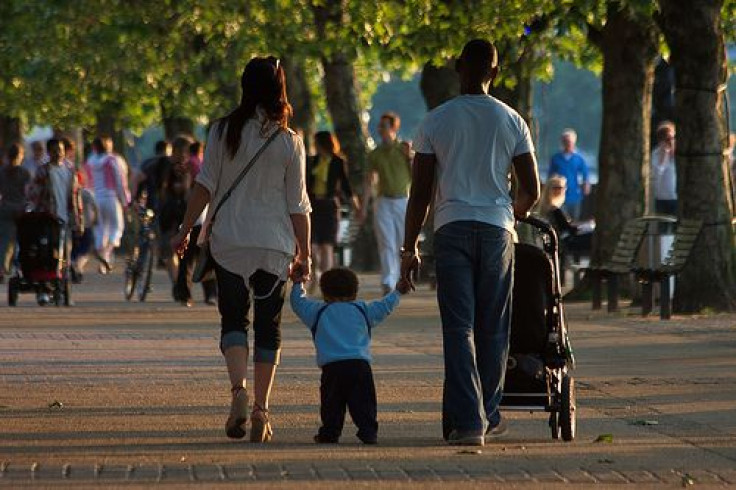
x=339, y=282
x=14, y=151
x=327, y=141
x=97, y=145
x=264, y=85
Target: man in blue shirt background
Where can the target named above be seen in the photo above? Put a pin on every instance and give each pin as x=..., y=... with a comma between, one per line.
x=571, y=165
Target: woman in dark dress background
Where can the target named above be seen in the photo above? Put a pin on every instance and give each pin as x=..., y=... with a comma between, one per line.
x=327, y=184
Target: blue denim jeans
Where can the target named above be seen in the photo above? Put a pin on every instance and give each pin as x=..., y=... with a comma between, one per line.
x=475, y=264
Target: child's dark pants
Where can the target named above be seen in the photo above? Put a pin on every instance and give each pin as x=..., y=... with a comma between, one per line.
x=348, y=383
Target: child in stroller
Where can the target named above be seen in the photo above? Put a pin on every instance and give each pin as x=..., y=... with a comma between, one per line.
x=43, y=260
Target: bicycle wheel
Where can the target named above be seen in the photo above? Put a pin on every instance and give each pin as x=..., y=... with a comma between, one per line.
x=132, y=273
x=146, y=271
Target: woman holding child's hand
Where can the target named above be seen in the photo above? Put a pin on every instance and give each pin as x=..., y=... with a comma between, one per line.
x=255, y=233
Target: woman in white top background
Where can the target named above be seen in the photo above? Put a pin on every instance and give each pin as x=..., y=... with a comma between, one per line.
x=260, y=234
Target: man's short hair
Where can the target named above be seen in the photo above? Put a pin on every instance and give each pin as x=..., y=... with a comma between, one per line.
x=161, y=146
x=181, y=143
x=479, y=55
x=393, y=119
x=339, y=282
x=53, y=142
x=663, y=130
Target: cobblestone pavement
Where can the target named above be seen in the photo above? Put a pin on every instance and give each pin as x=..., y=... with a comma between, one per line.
x=111, y=393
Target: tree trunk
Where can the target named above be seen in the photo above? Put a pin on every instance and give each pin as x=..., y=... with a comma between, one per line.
x=694, y=34
x=300, y=97
x=11, y=131
x=175, y=125
x=629, y=47
x=343, y=103
x=439, y=83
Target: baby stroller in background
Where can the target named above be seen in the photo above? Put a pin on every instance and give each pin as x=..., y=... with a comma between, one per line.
x=42, y=256
x=540, y=355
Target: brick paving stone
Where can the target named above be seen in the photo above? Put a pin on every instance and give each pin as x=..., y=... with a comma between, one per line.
x=576, y=476
x=547, y=476
x=240, y=472
x=422, y=474
x=14, y=472
x=609, y=476
x=208, y=472
x=704, y=477
x=727, y=474
x=386, y=474
x=78, y=472
x=177, y=473
x=334, y=473
x=147, y=473
x=118, y=473
x=513, y=475
x=641, y=476
x=668, y=476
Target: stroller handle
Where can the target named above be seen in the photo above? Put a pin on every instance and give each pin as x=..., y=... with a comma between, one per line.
x=537, y=223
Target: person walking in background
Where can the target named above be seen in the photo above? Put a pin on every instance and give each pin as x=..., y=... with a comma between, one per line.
x=571, y=165
x=106, y=177
x=177, y=187
x=260, y=233
x=83, y=243
x=341, y=329
x=196, y=154
x=465, y=151
x=152, y=174
x=389, y=166
x=54, y=191
x=37, y=158
x=327, y=184
x=14, y=180
x=663, y=174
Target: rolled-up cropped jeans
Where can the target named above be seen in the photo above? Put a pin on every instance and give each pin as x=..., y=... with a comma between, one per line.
x=475, y=263
x=233, y=302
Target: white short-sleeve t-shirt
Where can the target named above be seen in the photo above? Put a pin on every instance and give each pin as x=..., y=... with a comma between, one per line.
x=474, y=138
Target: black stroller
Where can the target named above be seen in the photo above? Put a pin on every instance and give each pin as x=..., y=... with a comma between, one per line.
x=540, y=356
x=42, y=255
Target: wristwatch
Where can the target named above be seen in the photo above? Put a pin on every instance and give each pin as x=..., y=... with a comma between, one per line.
x=404, y=253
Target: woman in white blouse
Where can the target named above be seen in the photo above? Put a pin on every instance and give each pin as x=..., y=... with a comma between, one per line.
x=260, y=234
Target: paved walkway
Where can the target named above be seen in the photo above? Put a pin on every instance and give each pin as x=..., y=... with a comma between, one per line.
x=110, y=392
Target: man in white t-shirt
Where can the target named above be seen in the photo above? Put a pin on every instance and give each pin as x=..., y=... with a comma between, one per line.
x=470, y=145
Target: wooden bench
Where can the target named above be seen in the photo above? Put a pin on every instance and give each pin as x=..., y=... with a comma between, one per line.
x=620, y=263
x=686, y=235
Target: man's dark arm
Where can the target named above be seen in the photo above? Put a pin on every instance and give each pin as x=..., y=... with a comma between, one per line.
x=527, y=176
x=422, y=184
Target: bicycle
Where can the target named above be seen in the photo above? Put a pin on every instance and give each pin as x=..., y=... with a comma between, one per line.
x=139, y=264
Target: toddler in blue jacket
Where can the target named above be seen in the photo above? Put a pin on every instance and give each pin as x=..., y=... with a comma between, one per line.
x=341, y=328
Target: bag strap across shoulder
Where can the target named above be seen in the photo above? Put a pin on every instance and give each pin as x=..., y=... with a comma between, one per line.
x=242, y=174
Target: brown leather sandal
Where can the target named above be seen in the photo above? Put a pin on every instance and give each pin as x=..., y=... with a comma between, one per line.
x=260, y=426
x=235, y=425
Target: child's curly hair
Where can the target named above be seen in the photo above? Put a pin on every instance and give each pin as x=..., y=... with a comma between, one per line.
x=339, y=282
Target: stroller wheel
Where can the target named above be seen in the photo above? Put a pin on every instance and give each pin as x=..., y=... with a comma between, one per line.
x=554, y=425
x=13, y=292
x=568, y=409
